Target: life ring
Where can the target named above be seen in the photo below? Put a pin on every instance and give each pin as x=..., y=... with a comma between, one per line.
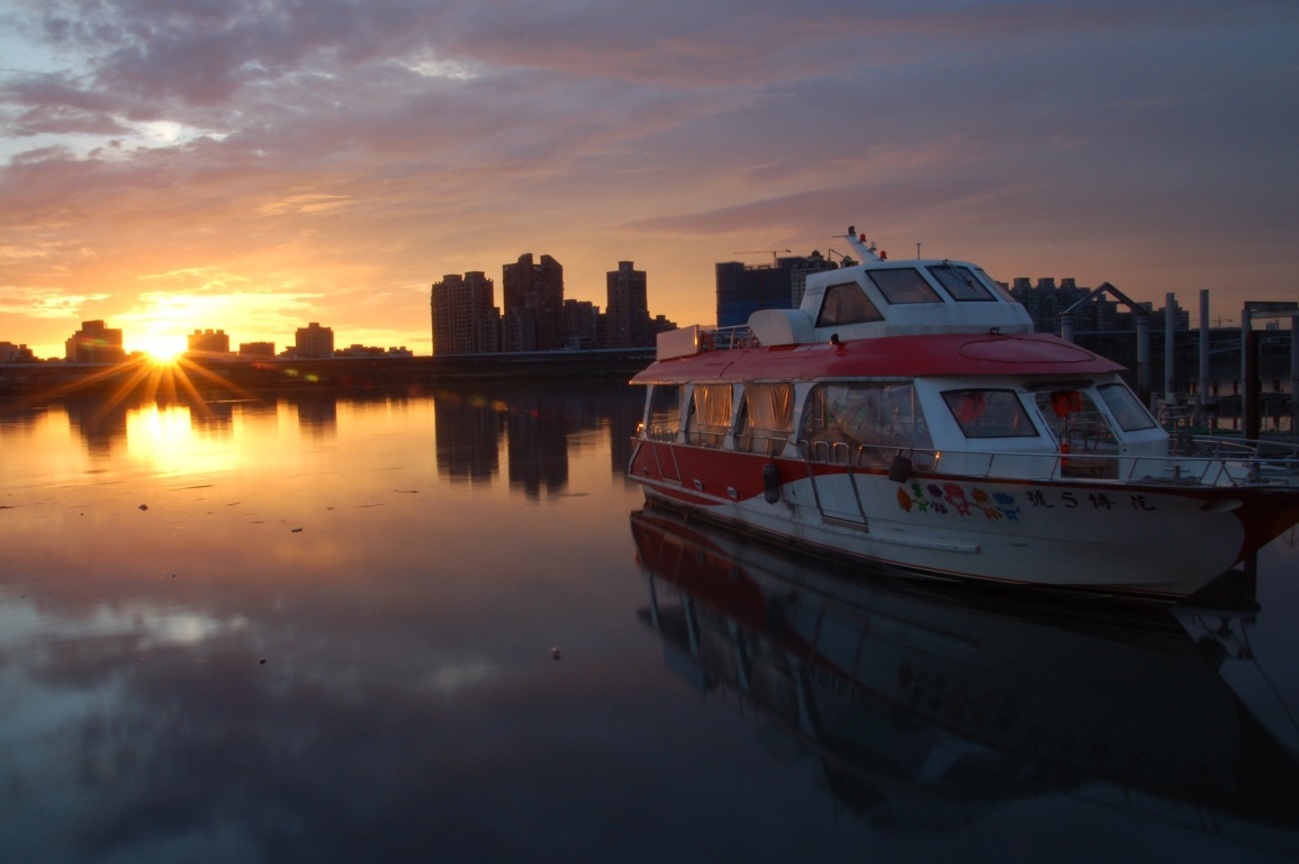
x=705, y=341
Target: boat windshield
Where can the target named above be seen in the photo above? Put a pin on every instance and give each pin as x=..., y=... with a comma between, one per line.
x=904, y=285
x=986, y=413
x=1128, y=412
x=960, y=282
x=1073, y=417
x=875, y=417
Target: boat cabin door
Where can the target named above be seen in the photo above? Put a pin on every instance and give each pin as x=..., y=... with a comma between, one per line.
x=832, y=456
x=662, y=427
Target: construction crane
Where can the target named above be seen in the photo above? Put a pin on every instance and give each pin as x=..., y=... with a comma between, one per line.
x=774, y=253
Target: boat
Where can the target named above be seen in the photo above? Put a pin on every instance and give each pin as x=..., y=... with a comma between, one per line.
x=907, y=413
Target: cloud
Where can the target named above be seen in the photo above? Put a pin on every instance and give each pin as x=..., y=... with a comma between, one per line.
x=44, y=302
x=364, y=147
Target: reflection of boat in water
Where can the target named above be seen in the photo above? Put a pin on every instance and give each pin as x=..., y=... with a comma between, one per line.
x=928, y=703
x=906, y=413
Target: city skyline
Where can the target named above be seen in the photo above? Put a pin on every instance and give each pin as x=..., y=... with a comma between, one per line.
x=256, y=165
x=478, y=289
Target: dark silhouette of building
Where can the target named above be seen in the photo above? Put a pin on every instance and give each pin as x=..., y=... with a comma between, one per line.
x=582, y=324
x=660, y=324
x=465, y=317
x=314, y=342
x=1045, y=301
x=208, y=342
x=257, y=350
x=743, y=290
x=11, y=353
x=95, y=343
x=627, y=313
x=533, y=305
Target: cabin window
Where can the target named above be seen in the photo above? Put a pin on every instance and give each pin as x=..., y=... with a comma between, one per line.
x=960, y=283
x=766, y=416
x=1128, y=412
x=710, y=415
x=990, y=413
x=664, y=416
x=1074, y=418
x=846, y=303
x=865, y=422
x=904, y=285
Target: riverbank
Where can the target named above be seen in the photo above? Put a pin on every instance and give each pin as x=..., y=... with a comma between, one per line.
x=348, y=373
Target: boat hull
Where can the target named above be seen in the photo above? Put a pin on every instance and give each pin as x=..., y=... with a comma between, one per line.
x=1161, y=540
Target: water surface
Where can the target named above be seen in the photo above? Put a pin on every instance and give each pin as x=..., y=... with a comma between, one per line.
x=435, y=626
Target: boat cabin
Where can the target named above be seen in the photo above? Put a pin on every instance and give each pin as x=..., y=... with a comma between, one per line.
x=928, y=358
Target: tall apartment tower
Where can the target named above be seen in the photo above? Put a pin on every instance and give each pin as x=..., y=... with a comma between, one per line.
x=583, y=323
x=314, y=341
x=465, y=317
x=743, y=290
x=627, y=309
x=533, y=305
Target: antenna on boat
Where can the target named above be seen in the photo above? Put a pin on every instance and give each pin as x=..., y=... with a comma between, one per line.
x=863, y=247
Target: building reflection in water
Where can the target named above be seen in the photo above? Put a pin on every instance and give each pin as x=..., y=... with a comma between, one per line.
x=317, y=412
x=927, y=707
x=99, y=422
x=537, y=442
x=534, y=426
x=467, y=432
x=538, y=423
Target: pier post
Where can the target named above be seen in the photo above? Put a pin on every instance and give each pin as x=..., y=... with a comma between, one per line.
x=1246, y=325
x=1249, y=403
x=1294, y=376
x=1170, y=332
x=1143, y=356
x=1203, y=390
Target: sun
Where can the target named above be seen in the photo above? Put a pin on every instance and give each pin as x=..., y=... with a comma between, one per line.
x=162, y=348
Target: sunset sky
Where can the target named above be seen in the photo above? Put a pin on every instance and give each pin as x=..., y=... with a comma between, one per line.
x=254, y=165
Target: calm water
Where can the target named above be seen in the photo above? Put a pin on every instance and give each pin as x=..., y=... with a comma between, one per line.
x=434, y=627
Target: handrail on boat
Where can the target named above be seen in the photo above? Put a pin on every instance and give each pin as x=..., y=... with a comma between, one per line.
x=735, y=336
x=1206, y=470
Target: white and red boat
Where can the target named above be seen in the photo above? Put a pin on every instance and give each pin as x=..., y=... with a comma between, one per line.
x=907, y=413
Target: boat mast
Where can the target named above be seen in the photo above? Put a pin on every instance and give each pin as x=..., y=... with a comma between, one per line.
x=863, y=247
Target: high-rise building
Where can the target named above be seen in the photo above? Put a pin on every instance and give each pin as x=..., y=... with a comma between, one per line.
x=532, y=304
x=314, y=342
x=465, y=317
x=627, y=313
x=95, y=343
x=257, y=350
x=743, y=290
x=582, y=324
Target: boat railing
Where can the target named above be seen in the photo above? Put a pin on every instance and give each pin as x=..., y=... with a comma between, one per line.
x=1239, y=468
x=662, y=432
x=866, y=455
x=1235, y=447
x=737, y=336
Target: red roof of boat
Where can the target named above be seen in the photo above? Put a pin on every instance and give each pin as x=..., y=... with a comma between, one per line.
x=979, y=354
